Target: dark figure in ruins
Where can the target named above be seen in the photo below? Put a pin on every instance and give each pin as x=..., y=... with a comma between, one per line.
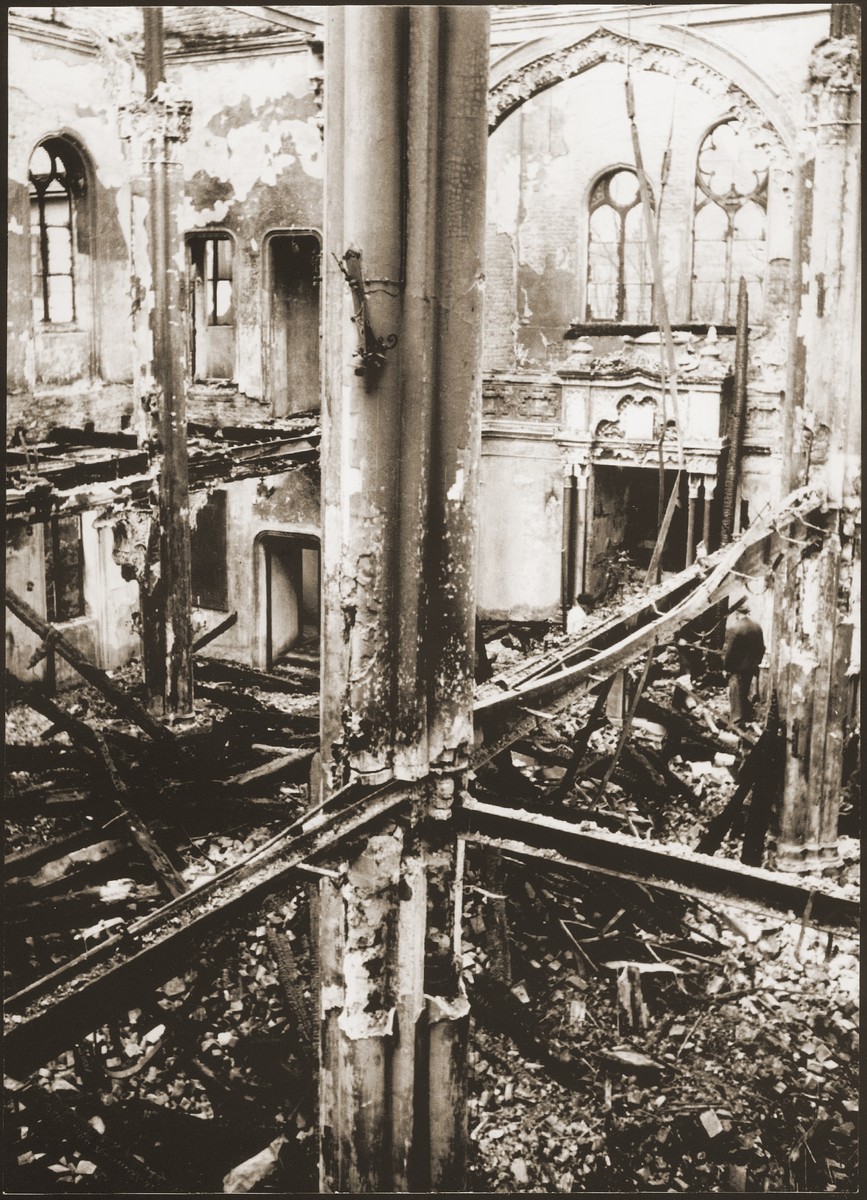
x=742, y=657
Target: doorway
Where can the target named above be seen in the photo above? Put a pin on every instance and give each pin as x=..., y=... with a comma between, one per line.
x=289, y=567
x=626, y=517
x=292, y=353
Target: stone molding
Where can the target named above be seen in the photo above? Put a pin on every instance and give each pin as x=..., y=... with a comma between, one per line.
x=606, y=45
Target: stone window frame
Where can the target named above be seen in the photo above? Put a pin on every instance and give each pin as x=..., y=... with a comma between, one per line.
x=192, y=236
x=620, y=316
x=730, y=204
x=76, y=187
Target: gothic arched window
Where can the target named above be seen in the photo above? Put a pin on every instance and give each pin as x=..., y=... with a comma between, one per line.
x=56, y=184
x=619, y=274
x=731, y=202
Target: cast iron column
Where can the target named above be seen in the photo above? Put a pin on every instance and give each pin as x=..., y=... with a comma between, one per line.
x=406, y=145
x=815, y=609
x=164, y=577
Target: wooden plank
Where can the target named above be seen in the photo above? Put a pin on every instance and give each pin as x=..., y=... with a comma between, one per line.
x=272, y=770
x=213, y=634
x=672, y=868
x=55, y=1012
x=124, y=704
x=93, y=742
x=215, y=670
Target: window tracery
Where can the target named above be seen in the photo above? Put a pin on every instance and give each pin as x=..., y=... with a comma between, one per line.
x=729, y=230
x=55, y=183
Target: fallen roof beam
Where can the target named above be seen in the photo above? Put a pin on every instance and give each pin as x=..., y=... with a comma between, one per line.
x=55, y=1012
x=131, y=472
x=713, y=580
x=55, y=640
x=672, y=868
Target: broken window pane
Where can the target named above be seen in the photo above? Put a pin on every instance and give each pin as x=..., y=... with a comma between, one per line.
x=64, y=569
x=731, y=199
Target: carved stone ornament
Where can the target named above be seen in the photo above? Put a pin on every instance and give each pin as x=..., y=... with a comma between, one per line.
x=521, y=401
x=602, y=46
x=162, y=117
x=835, y=64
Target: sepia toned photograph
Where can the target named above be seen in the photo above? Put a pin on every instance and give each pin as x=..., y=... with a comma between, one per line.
x=433, y=558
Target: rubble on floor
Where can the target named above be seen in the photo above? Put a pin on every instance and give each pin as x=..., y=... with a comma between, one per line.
x=623, y=1039
x=742, y=1075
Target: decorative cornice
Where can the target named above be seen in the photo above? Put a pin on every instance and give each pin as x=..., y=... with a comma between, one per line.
x=631, y=375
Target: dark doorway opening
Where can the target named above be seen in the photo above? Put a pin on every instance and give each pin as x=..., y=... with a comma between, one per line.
x=291, y=598
x=626, y=517
x=292, y=357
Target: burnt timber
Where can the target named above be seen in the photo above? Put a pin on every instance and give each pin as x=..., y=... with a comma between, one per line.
x=42, y=1020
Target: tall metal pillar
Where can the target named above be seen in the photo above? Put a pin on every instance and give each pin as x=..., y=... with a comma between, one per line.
x=581, y=473
x=154, y=127
x=709, y=489
x=406, y=145
x=694, y=484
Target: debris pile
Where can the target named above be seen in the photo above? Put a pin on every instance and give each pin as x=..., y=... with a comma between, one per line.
x=624, y=1038
x=652, y=1048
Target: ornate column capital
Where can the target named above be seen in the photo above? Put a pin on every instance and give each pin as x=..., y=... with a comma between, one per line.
x=164, y=117
x=835, y=76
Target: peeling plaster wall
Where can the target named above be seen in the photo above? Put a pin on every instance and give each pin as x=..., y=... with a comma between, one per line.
x=253, y=163
x=521, y=515
x=544, y=159
x=107, y=633
x=65, y=90
x=283, y=503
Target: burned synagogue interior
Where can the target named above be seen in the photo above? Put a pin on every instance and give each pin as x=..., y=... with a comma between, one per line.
x=433, y=541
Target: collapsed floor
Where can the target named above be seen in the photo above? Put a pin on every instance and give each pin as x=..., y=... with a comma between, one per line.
x=584, y=1076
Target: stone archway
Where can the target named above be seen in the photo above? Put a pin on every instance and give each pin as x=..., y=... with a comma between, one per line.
x=531, y=69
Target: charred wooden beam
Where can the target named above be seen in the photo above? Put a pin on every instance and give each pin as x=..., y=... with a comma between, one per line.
x=292, y=762
x=671, y=868
x=51, y=1014
x=213, y=634
x=710, y=580
x=65, y=855
x=73, y=910
x=124, y=703
x=215, y=670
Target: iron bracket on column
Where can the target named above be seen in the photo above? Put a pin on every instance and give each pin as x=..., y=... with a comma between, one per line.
x=371, y=349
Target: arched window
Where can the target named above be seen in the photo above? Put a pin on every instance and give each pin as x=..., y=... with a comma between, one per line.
x=56, y=186
x=731, y=201
x=619, y=274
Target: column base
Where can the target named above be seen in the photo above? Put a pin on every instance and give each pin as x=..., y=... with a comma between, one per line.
x=806, y=859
